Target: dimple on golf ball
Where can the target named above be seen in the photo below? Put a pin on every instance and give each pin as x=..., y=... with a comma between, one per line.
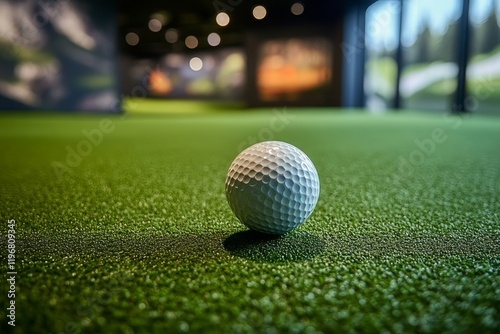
x=272, y=187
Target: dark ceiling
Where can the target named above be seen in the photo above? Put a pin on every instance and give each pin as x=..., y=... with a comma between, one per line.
x=197, y=18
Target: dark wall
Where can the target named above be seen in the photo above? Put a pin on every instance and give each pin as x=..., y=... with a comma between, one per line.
x=338, y=24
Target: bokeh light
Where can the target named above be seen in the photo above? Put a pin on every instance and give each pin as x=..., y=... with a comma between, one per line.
x=163, y=17
x=191, y=42
x=132, y=38
x=174, y=60
x=297, y=8
x=160, y=83
x=222, y=19
x=155, y=25
x=172, y=35
x=213, y=39
x=196, y=64
x=259, y=12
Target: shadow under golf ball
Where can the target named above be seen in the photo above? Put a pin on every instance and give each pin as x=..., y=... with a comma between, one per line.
x=291, y=247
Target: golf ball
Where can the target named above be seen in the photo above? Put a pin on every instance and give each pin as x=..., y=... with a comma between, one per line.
x=272, y=187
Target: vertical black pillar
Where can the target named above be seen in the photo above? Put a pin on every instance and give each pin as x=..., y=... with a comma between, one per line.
x=463, y=58
x=399, y=59
x=353, y=51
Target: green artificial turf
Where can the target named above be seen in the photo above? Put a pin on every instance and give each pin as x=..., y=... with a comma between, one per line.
x=138, y=238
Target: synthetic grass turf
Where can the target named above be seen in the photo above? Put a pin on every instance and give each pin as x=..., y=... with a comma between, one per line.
x=139, y=237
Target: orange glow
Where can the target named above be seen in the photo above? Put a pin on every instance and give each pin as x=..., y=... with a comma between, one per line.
x=289, y=68
x=159, y=83
x=289, y=81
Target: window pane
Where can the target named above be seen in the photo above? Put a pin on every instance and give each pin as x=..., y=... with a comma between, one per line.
x=483, y=71
x=382, y=39
x=430, y=34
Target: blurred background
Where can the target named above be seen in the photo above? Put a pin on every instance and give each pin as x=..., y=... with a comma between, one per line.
x=72, y=55
x=58, y=55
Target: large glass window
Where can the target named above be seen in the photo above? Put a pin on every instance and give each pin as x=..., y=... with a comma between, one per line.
x=429, y=37
x=382, y=40
x=483, y=71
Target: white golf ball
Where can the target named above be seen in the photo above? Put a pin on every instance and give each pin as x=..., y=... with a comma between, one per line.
x=272, y=187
